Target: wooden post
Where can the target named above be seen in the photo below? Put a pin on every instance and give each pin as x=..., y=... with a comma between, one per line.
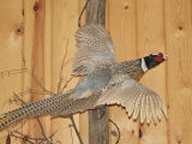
x=95, y=12
x=98, y=119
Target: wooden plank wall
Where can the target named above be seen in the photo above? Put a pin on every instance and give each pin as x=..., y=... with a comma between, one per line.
x=35, y=33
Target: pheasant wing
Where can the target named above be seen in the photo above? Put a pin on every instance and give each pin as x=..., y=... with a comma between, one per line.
x=135, y=97
x=95, y=48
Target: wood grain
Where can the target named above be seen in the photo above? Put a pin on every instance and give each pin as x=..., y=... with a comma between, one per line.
x=37, y=60
x=178, y=19
x=34, y=34
x=64, y=17
x=150, y=39
x=121, y=23
x=11, y=39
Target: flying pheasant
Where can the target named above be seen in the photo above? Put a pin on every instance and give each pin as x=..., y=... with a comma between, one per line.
x=104, y=82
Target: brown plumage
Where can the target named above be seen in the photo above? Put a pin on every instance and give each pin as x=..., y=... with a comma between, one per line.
x=105, y=82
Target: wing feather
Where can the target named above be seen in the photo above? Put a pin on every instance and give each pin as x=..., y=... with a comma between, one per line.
x=137, y=106
x=131, y=106
x=147, y=110
x=136, y=98
x=143, y=108
x=95, y=48
x=153, y=109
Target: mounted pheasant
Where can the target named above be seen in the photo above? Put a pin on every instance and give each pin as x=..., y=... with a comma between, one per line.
x=104, y=82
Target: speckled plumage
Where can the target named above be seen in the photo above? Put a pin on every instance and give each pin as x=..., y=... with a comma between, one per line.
x=105, y=82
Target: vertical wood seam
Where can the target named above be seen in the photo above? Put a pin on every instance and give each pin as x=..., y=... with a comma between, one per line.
x=166, y=72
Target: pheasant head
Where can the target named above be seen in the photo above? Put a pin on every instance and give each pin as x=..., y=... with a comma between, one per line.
x=152, y=60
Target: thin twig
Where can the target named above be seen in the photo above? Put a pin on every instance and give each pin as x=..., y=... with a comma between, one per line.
x=118, y=130
x=42, y=130
x=4, y=73
x=23, y=137
x=22, y=101
x=26, y=138
x=37, y=118
x=75, y=128
x=61, y=90
x=61, y=70
x=41, y=86
x=34, y=92
x=21, y=70
x=71, y=132
x=82, y=11
x=66, y=84
x=71, y=116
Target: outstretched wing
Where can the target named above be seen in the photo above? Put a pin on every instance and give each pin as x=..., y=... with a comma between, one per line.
x=136, y=98
x=95, y=48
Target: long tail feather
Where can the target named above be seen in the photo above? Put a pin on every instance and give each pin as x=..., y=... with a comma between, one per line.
x=59, y=105
x=44, y=106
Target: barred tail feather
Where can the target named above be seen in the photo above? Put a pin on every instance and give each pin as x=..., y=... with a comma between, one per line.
x=10, y=118
x=42, y=107
x=59, y=105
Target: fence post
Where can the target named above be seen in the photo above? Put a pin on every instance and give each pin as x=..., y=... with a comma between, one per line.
x=98, y=119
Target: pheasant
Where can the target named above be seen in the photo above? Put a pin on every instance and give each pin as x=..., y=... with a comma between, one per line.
x=104, y=82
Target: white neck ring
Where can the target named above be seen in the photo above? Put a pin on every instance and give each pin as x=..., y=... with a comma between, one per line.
x=143, y=65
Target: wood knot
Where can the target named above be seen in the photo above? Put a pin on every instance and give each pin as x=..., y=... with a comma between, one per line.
x=19, y=30
x=23, y=12
x=180, y=28
x=180, y=33
x=126, y=6
x=133, y=132
x=140, y=133
x=36, y=7
x=179, y=142
x=114, y=133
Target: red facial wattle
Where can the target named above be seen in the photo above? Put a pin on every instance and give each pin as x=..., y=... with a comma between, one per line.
x=159, y=58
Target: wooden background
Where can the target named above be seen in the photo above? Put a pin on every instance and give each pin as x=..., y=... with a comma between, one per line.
x=34, y=35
